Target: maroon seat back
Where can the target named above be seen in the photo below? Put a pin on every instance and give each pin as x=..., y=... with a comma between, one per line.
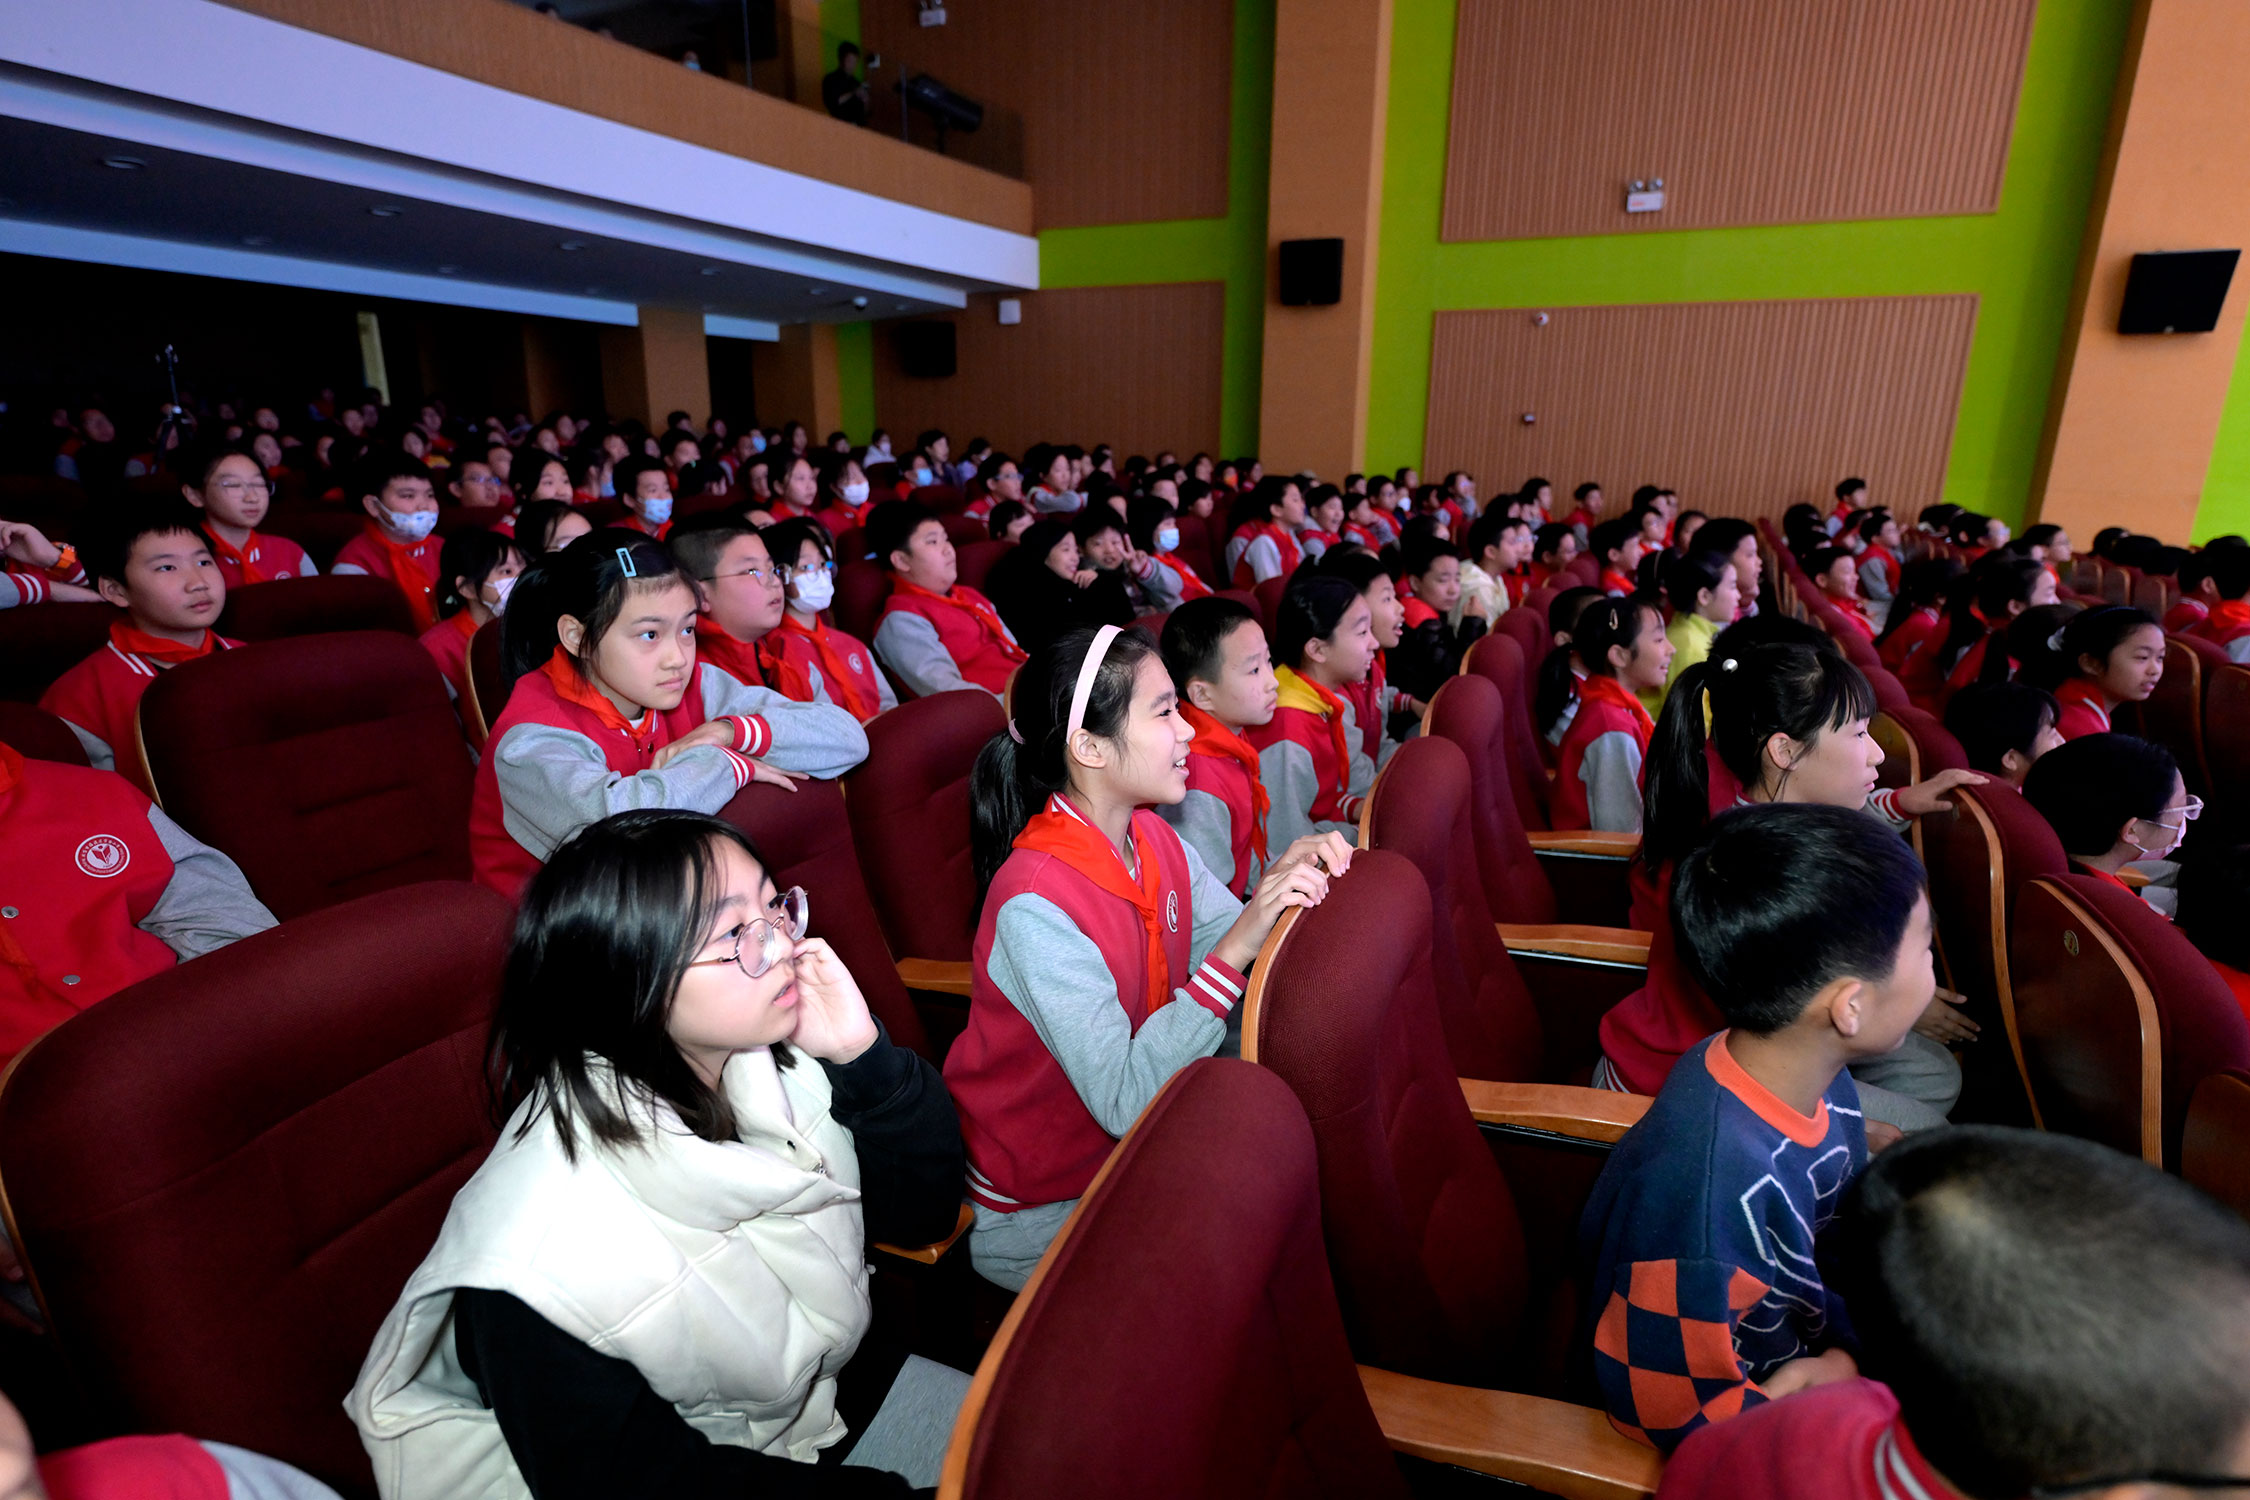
x=909, y=807
x=1916, y=745
x=321, y=530
x=1469, y=711
x=454, y=519
x=1529, y=627
x=1585, y=571
x=805, y=839
x=1268, y=593
x=938, y=497
x=1422, y=1233
x=221, y=1177
x=1890, y=693
x=974, y=563
x=861, y=588
x=315, y=606
x=40, y=642
x=1500, y=660
x=2173, y=714
x=964, y=530
x=1421, y=808
x=36, y=733
x=1540, y=600
x=2226, y=735
x=1182, y=1336
x=327, y=766
x=1195, y=547
x=1248, y=601
x=489, y=684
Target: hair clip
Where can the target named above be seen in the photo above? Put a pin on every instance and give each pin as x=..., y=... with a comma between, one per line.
x=1014, y=733
x=625, y=561
x=1729, y=664
x=2054, y=642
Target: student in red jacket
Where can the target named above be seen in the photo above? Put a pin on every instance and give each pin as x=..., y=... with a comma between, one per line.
x=1598, y=768
x=1835, y=572
x=2105, y=657
x=611, y=710
x=479, y=567
x=396, y=544
x=2113, y=800
x=644, y=488
x=1878, y=558
x=34, y=570
x=234, y=494
x=1109, y=956
x=1378, y=707
x=1917, y=613
x=1216, y=651
x=2004, y=727
x=1999, y=589
x=1264, y=543
x=150, y=560
x=2226, y=572
x=1944, y=1245
x=843, y=495
x=1310, y=755
x=806, y=647
x=936, y=635
x=1618, y=547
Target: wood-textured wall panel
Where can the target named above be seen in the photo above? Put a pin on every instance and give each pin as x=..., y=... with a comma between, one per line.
x=1752, y=111
x=1744, y=407
x=1124, y=108
x=1134, y=366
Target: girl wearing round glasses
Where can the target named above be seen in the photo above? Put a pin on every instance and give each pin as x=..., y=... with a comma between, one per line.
x=656, y=1283
x=2116, y=800
x=802, y=549
x=234, y=496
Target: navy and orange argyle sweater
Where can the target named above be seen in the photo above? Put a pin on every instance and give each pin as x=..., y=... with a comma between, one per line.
x=1697, y=1246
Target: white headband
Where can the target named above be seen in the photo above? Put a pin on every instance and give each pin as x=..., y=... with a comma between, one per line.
x=1086, y=673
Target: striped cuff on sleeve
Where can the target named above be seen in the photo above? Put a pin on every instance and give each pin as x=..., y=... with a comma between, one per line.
x=753, y=735
x=1215, y=987
x=743, y=770
x=1883, y=802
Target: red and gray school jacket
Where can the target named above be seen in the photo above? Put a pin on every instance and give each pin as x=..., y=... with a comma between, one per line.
x=1297, y=762
x=551, y=766
x=1061, y=1054
x=1216, y=819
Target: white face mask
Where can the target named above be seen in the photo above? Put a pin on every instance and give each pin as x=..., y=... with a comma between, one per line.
x=501, y=588
x=815, y=591
x=412, y=525
x=1167, y=538
x=656, y=509
x=855, y=491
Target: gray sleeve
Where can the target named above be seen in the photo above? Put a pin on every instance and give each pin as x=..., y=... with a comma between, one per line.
x=206, y=904
x=1362, y=779
x=553, y=783
x=1611, y=769
x=1056, y=976
x=819, y=684
x=818, y=739
x=886, y=696
x=1207, y=829
x=1875, y=579
x=2238, y=650
x=345, y=568
x=1286, y=768
x=253, y=1476
x=1163, y=585
x=909, y=646
x=1264, y=557
x=98, y=753
x=1215, y=906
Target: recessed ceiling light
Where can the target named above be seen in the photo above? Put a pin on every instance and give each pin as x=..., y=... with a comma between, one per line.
x=571, y=245
x=257, y=239
x=124, y=163
x=447, y=270
x=710, y=270
x=386, y=210
x=902, y=307
x=816, y=291
x=593, y=291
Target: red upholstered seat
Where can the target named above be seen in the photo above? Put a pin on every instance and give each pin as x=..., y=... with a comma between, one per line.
x=1470, y=711
x=1247, y=600
x=488, y=681
x=1890, y=693
x=2215, y=1144
x=314, y=606
x=805, y=839
x=221, y=1177
x=40, y=642
x=861, y=588
x=964, y=529
x=327, y=766
x=1195, y=548
x=974, y=563
x=2173, y=714
x=2226, y=735
x=38, y=734
x=321, y=530
x=1529, y=628
x=909, y=806
x=1182, y=1337
x=1499, y=658
x=1268, y=594
x=939, y=497
x=2108, y=992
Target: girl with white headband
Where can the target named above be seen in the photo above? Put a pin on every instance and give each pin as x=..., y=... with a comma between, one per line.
x=1109, y=956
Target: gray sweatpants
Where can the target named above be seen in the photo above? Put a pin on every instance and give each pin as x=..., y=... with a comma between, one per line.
x=1913, y=1088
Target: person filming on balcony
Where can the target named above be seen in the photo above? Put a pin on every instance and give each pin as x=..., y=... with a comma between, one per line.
x=845, y=90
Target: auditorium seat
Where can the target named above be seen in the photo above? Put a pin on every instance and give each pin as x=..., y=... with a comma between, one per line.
x=221, y=1177
x=321, y=530
x=455, y=519
x=327, y=766
x=1195, y=548
x=909, y=807
x=1529, y=628
x=974, y=563
x=2155, y=593
x=861, y=588
x=1441, y=1272
x=1499, y=659
x=942, y=498
x=2226, y=738
x=1268, y=592
x=1915, y=747
x=2172, y=715
x=964, y=530
x=40, y=642
x=2215, y=1142
x=2121, y=1018
x=38, y=734
x=1248, y=601
x=2118, y=582
x=805, y=839
x=1890, y=693
x=1230, y=1373
x=315, y=606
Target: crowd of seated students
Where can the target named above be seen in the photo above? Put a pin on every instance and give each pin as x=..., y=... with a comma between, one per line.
x=657, y=1282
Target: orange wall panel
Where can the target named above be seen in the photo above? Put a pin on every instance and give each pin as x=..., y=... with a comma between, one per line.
x=1744, y=407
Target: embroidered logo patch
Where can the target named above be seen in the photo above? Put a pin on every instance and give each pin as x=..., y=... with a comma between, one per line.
x=859, y=668
x=1172, y=911
x=104, y=855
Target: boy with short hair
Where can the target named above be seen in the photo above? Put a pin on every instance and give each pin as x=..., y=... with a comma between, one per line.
x=1216, y=651
x=475, y=485
x=935, y=635
x=151, y=561
x=644, y=488
x=1809, y=927
x=1498, y=545
x=1102, y=542
x=402, y=510
x=1586, y=513
x=1835, y=572
x=2046, y=1316
x=1618, y=547
x=1877, y=558
x=1554, y=547
x=234, y=495
x=2226, y=588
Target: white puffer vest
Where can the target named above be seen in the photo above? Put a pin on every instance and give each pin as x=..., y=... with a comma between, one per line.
x=731, y=1274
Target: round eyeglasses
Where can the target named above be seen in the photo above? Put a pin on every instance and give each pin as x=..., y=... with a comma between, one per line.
x=762, y=942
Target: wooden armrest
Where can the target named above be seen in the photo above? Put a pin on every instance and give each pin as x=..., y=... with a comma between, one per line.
x=946, y=976
x=1618, y=945
x=1586, y=841
x=929, y=1254
x=1552, y=1446
x=1558, y=1108
x=2133, y=879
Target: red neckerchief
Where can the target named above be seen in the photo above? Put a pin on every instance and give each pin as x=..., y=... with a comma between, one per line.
x=743, y=660
x=1418, y=611
x=1067, y=836
x=982, y=614
x=2107, y=878
x=406, y=571
x=1291, y=553
x=239, y=556
x=1614, y=582
x=852, y=688
x=1597, y=689
x=140, y=643
x=572, y=688
x=1191, y=587
x=2228, y=616
x=1221, y=743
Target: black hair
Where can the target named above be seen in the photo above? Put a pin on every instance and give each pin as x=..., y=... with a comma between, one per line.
x=588, y=580
x=195, y=466
x=1584, y=490
x=1094, y=520
x=2106, y=540
x=1991, y=586
x=627, y=475
x=892, y=524
x=1688, y=574
x=1605, y=622
x=785, y=540
x=1774, y=903
x=2008, y=1285
x=1484, y=532
x=604, y=935
x=1195, y=634
x=1821, y=559
x=1610, y=536
x=535, y=522
x=1801, y=527
x=1846, y=488
x=1014, y=777
x=1935, y=518
x=1423, y=553
x=699, y=541
x=1004, y=514
x=994, y=462
x=2228, y=568
x=2088, y=789
x=381, y=470
x=1760, y=686
x=1871, y=524
x=2096, y=632
x=1992, y=718
x=1549, y=538
x=1267, y=495
x=472, y=553
x=1143, y=515
x=1556, y=685
x=1925, y=583
x=108, y=544
x=1312, y=606
x=1357, y=568
x=1530, y=490
x=1722, y=534
x=2043, y=534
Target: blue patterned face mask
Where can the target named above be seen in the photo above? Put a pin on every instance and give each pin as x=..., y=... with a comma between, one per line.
x=656, y=509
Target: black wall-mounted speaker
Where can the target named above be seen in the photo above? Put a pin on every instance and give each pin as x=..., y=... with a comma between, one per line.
x=2177, y=291
x=925, y=348
x=1312, y=273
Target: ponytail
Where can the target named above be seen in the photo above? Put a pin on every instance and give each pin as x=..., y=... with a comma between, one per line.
x=1988, y=589
x=1558, y=685
x=1922, y=584
x=587, y=580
